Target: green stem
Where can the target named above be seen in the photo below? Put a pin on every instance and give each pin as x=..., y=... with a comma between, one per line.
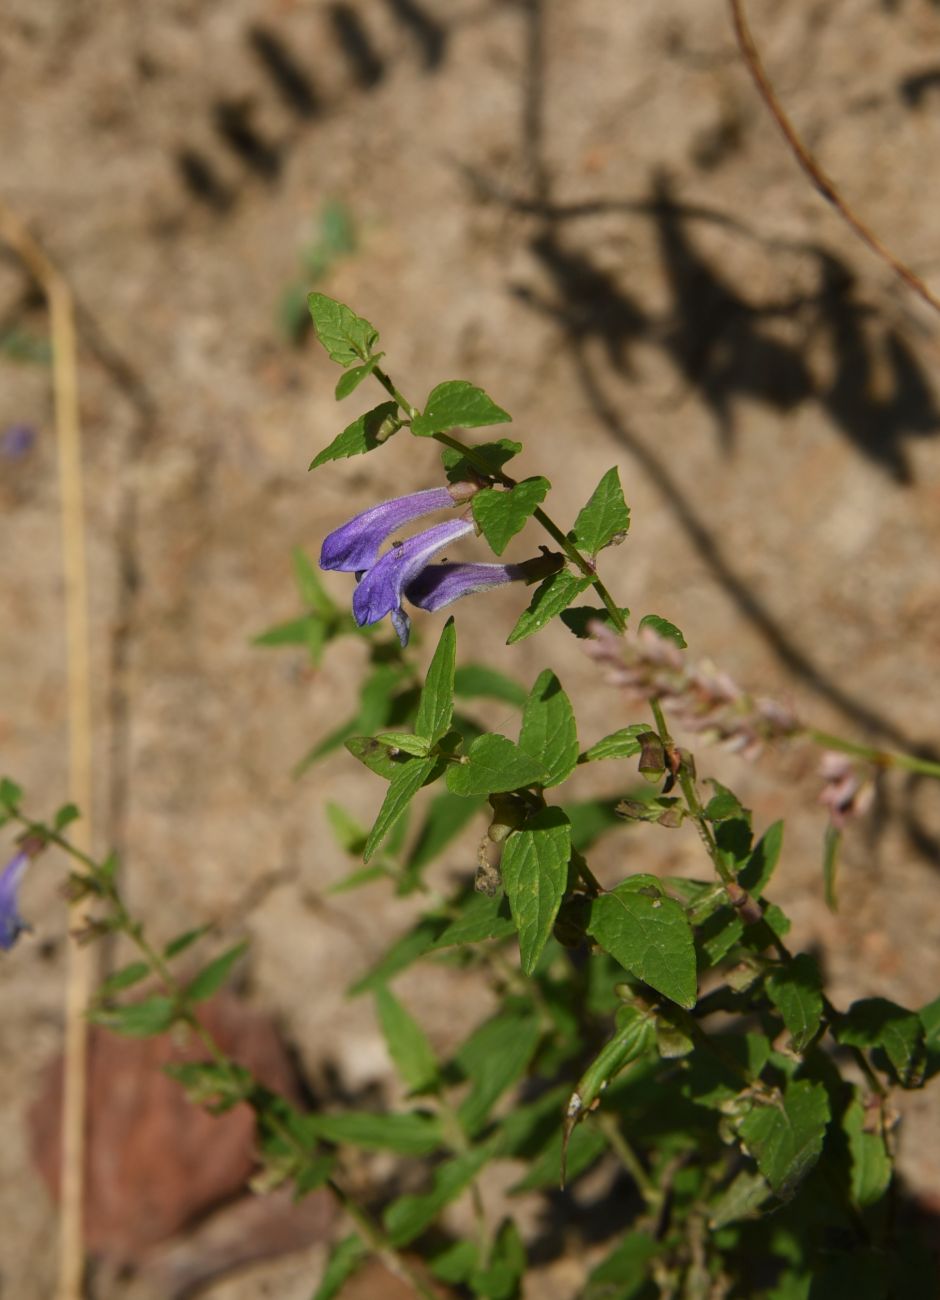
x=608, y=1125
x=385, y=381
x=880, y=757
x=693, y=803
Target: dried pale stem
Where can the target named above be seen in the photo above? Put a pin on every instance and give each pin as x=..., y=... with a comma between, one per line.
x=879, y=757
x=79, y=977
x=817, y=176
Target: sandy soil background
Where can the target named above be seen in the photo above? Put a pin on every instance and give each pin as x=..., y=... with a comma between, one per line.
x=581, y=207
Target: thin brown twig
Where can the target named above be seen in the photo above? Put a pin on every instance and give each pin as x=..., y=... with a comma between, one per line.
x=817, y=176
x=55, y=287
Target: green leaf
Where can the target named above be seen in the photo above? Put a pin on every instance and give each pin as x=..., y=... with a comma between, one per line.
x=549, y=734
x=407, y=1043
x=350, y=381
x=295, y=632
x=871, y=1164
x=211, y=978
x=138, y=1019
x=879, y=1023
x=724, y=805
x=605, y=518
x=742, y=1199
x=437, y=698
x=11, y=796
x=416, y=746
x=487, y=458
x=549, y=598
x=123, y=979
x=579, y=619
x=67, y=814
x=216, y=1086
x=795, y=989
x=506, y=1265
x=349, y=835
x=344, y=1260
x=535, y=876
x=402, y=954
x=184, y=941
x=786, y=1137
x=407, y=780
x=663, y=628
x=408, y=1217
x=375, y=755
x=649, y=935
x=500, y=515
x=635, y=1036
x=625, y=1273
x=457, y=404
x=346, y=336
x=619, y=744
x=473, y=681
x=409, y=1134
x=312, y=591
x=483, y=917
x=493, y=764
x=366, y=432
x=586, y=1146
x=755, y=875
x=493, y=1058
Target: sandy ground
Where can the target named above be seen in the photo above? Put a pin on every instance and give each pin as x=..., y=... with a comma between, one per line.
x=581, y=207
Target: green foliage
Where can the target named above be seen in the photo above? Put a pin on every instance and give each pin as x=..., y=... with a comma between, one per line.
x=551, y=597
x=500, y=515
x=486, y=458
x=457, y=404
x=436, y=706
x=535, y=877
x=606, y=517
x=649, y=934
x=785, y=1135
x=664, y=628
x=494, y=764
x=366, y=432
x=549, y=733
x=347, y=337
x=757, y=1166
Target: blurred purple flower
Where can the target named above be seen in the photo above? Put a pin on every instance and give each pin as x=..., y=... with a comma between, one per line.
x=16, y=441
x=11, y=923
x=848, y=787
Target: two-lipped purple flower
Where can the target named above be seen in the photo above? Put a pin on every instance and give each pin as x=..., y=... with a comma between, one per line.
x=405, y=569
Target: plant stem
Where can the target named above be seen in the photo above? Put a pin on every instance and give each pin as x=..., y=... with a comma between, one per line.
x=880, y=757
x=693, y=803
x=506, y=480
x=608, y=1125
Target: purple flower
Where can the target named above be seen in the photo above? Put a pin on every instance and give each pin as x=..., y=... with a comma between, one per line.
x=381, y=589
x=11, y=923
x=354, y=547
x=441, y=584
x=405, y=569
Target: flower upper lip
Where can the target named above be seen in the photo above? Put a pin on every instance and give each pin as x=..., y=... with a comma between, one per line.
x=355, y=545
